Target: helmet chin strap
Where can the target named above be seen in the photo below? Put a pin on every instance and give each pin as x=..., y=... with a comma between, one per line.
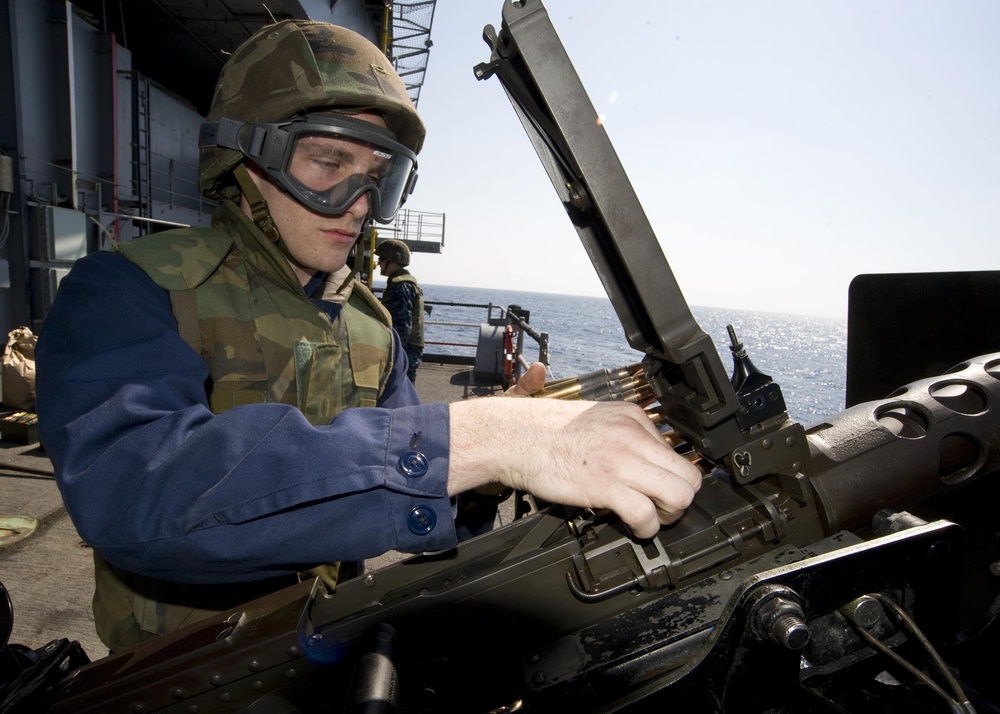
x=359, y=255
x=259, y=212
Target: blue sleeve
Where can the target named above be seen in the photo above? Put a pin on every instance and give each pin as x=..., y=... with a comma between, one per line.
x=398, y=299
x=162, y=487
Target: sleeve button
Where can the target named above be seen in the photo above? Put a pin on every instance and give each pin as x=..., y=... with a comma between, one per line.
x=421, y=520
x=413, y=463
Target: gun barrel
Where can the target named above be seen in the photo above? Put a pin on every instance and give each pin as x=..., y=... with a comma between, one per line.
x=933, y=437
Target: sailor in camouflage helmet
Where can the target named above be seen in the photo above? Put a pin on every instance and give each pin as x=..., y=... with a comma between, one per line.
x=404, y=300
x=311, y=134
x=227, y=411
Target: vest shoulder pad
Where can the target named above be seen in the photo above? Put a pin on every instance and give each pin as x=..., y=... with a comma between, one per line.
x=411, y=280
x=405, y=279
x=181, y=259
x=361, y=294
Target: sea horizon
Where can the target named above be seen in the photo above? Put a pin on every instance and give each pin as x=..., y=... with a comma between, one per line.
x=380, y=283
x=805, y=355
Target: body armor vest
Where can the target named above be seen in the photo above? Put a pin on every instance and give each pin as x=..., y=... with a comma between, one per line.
x=276, y=346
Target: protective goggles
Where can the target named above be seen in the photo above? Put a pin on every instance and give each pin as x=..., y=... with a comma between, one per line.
x=326, y=162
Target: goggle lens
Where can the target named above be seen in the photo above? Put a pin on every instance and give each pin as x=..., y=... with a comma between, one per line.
x=327, y=163
x=332, y=172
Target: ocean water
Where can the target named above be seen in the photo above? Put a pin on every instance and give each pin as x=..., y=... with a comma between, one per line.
x=805, y=355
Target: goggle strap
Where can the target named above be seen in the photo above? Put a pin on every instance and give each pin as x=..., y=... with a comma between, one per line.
x=225, y=134
x=259, y=212
x=257, y=136
x=220, y=134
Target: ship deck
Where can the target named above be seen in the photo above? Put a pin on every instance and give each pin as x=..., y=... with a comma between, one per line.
x=48, y=572
x=440, y=381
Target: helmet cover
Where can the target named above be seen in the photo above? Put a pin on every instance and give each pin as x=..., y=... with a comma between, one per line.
x=395, y=251
x=293, y=66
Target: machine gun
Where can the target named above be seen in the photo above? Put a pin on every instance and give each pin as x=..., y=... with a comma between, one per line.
x=848, y=567
x=794, y=593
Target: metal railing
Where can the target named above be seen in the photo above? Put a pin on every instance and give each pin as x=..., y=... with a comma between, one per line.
x=464, y=340
x=423, y=231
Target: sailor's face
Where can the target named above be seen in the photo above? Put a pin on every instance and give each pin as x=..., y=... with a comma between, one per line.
x=316, y=243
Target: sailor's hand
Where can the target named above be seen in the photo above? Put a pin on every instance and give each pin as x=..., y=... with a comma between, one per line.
x=530, y=382
x=577, y=453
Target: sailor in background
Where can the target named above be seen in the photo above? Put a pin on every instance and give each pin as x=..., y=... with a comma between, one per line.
x=404, y=300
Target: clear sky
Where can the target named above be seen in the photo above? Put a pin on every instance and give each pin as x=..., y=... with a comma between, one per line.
x=778, y=148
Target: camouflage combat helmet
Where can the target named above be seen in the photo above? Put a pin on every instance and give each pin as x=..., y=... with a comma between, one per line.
x=293, y=66
x=395, y=251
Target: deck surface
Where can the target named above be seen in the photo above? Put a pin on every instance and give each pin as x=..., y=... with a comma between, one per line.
x=49, y=573
x=437, y=382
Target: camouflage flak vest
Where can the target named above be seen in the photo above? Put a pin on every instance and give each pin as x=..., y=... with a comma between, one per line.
x=239, y=305
x=416, y=312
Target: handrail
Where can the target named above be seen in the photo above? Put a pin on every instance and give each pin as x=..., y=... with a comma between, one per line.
x=507, y=316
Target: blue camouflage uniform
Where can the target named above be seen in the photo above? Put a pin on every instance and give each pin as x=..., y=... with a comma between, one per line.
x=403, y=298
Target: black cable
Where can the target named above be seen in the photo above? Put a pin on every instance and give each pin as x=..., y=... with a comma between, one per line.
x=912, y=626
x=960, y=701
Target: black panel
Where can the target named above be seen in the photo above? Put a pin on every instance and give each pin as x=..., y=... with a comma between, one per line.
x=907, y=326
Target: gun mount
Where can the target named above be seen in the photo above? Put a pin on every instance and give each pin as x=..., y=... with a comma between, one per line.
x=848, y=567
